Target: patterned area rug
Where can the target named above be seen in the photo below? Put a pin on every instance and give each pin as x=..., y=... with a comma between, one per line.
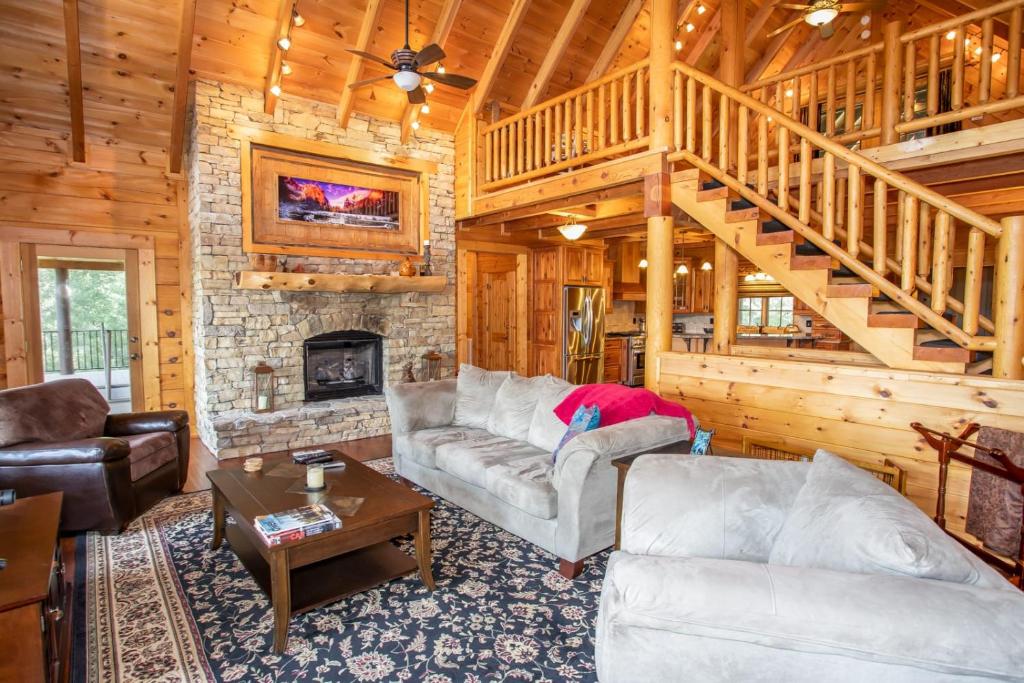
x=160, y=606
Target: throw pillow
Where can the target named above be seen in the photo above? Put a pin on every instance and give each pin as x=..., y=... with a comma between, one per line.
x=513, y=408
x=475, y=390
x=845, y=519
x=546, y=429
x=583, y=420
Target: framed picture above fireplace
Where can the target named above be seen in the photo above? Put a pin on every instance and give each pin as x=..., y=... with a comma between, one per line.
x=303, y=197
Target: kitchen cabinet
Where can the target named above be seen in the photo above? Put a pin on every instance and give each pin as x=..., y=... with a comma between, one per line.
x=552, y=269
x=693, y=292
x=614, y=357
x=607, y=276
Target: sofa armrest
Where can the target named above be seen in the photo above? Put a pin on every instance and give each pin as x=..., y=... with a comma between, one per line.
x=790, y=614
x=586, y=480
x=130, y=424
x=102, y=449
x=420, y=405
x=707, y=506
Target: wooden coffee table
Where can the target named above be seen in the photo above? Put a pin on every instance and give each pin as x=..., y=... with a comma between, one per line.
x=307, y=573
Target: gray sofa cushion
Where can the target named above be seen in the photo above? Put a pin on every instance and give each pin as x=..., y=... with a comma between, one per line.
x=421, y=446
x=707, y=506
x=513, y=407
x=526, y=484
x=847, y=520
x=469, y=460
x=546, y=428
x=474, y=395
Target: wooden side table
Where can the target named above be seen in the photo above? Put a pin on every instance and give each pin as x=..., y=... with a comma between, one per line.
x=35, y=600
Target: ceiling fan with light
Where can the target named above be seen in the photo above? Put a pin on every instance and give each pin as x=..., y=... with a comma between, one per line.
x=821, y=13
x=406, y=63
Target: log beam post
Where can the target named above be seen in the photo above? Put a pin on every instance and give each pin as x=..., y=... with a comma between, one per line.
x=892, y=57
x=1008, y=301
x=660, y=228
x=726, y=301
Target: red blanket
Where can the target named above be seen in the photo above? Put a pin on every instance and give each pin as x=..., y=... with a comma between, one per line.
x=619, y=403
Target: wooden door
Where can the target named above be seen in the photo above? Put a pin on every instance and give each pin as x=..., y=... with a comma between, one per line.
x=494, y=319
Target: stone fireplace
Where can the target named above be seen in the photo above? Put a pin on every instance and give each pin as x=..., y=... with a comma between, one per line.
x=343, y=364
x=235, y=329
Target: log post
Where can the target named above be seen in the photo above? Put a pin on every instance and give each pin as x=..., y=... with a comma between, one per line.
x=892, y=58
x=1008, y=301
x=660, y=228
x=726, y=292
x=62, y=306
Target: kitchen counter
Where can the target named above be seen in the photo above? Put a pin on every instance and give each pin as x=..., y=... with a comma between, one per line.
x=698, y=342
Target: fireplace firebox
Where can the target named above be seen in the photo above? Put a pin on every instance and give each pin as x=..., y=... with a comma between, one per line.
x=343, y=364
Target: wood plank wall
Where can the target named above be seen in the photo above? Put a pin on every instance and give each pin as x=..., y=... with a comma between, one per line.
x=121, y=189
x=860, y=412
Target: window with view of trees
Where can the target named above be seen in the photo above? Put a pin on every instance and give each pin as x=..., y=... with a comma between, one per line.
x=765, y=311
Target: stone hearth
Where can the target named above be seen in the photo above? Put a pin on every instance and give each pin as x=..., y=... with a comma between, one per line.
x=235, y=329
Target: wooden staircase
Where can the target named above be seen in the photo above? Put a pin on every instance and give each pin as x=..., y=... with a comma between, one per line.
x=849, y=303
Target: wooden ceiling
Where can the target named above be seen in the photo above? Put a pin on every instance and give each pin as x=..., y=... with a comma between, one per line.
x=130, y=53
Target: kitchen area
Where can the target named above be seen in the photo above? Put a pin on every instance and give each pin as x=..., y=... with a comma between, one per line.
x=768, y=316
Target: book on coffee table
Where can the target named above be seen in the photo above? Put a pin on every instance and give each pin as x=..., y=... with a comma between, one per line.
x=297, y=523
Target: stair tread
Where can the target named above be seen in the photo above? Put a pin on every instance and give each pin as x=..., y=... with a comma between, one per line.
x=940, y=344
x=741, y=204
x=808, y=249
x=711, y=185
x=843, y=271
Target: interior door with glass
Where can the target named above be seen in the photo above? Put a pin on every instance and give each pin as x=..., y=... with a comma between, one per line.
x=83, y=317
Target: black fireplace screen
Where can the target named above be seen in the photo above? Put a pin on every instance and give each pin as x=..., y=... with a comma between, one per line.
x=343, y=364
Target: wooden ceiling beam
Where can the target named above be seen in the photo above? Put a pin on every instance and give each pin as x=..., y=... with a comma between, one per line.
x=283, y=28
x=555, y=53
x=442, y=29
x=355, y=65
x=186, y=29
x=636, y=218
x=955, y=8
x=756, y=71
x=614, y=43
x=633, y=189
x=707, y=35
x=501, y=48
x=76, y=97
x=760, y=18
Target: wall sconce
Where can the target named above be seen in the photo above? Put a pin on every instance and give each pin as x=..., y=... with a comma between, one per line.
x=431, y=366
x=262, y=388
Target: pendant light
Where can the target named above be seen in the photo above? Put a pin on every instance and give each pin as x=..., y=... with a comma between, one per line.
x=572, y=230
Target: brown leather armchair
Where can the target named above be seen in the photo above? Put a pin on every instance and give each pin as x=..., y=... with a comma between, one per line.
x=60, y=436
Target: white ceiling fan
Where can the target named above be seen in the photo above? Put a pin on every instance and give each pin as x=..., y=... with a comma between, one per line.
x=821, y=14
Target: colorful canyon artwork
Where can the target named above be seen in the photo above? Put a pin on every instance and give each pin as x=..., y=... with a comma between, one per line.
x=315, y=201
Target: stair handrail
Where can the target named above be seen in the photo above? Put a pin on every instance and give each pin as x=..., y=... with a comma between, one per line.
x=913, y=194
x=955, y=22
x=852, y=158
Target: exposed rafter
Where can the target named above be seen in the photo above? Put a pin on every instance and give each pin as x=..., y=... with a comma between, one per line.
x=355, y=66
x=614, y=43
x=501, y=47
x=756, y=71
x=76, y=97
x=556, y=52
x=185, y=30
x=284, y=23
x=697, y=50
x=957, y=8
x=444, y=25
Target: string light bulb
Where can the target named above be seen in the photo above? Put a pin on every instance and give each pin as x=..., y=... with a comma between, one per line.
x=996, y=57
x=284, y=43
x=789, y=92
x=679, y=45
x=297, y=19
x=706, y=266
x=690, y=27
x=275, y=90
x=643, y=263
x=286, y=69
x=425, y=109
x=429, y=87
x=701, y=9
x=682, y=269
x=415, y=125
x=977, y=50
x=440, y=68
x=951, y=35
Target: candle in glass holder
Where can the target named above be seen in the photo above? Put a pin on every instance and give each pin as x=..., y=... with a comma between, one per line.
x=314, y=477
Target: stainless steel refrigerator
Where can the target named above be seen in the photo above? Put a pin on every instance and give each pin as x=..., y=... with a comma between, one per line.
x=583, y=335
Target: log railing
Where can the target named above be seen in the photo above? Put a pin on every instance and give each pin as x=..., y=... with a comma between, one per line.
x=845, y=209
x=841, y=90
x=984, y=68
x=601, y=120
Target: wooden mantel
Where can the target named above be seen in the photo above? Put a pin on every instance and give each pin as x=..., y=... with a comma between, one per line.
x=337, y=282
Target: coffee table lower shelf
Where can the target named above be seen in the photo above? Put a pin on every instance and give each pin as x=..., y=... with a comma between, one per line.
x=329, y=580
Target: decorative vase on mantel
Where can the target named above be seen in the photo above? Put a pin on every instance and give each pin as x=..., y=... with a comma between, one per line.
x=408, y=268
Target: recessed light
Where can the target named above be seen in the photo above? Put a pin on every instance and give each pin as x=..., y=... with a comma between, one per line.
x=865, y=20
x=865, y=34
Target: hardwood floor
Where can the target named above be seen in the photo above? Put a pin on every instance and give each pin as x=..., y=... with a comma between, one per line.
x=201, y=460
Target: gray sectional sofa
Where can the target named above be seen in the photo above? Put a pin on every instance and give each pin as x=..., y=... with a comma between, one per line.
x=485, y=443
x=748, y=570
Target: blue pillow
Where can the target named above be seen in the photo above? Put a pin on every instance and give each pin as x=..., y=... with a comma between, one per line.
x=583, y=420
